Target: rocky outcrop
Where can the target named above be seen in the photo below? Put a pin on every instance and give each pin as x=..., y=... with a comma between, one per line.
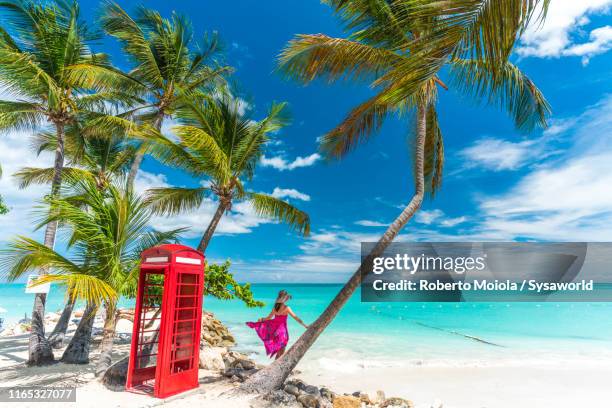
x=214, y=333
x=296, y=393
x=211, y=358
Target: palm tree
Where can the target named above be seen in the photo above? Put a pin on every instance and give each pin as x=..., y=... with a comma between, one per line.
x=46, y=63
x=107, y=231
x=168, y=64
x=101, y=160
x=3, y=208
x=400, y=46
x=96, y=159
x=221, y=146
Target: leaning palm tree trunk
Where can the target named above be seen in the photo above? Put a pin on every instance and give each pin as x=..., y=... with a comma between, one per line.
x=40, y=351
x=273, y=376
x=77, y=351
x=136, y=165
x=212, y=226
x=108, y=338
x=57, y=336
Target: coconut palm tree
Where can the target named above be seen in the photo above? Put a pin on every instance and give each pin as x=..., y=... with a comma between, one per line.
x=46, y=64
x=99, y=160
x=221, y=146
x=168, y=63
x=399, y=47
x=107, y=230
x=3, y=208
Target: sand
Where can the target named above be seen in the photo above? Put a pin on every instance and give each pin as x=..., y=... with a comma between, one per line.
x=563, y=386
x=472, y=387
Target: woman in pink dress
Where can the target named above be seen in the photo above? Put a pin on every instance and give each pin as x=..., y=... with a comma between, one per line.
x=272, y=329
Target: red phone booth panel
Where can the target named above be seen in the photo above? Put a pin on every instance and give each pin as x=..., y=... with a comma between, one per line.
x=164, y=356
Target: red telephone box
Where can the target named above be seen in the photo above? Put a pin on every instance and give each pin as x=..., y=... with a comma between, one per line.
x=164, y=357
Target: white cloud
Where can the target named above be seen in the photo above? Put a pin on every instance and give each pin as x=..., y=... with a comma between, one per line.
x=600, y=42
x=368, y=223
x=289, y=193
x=14, y=155
x=282, y=164
x=451, y=222
x=438, y=218
x=569, y=202
x=558, y=36
x=428, y=217
x=497, y=154
x=568, y=199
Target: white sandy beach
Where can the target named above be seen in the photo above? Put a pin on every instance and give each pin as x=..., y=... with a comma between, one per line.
x=563, y=386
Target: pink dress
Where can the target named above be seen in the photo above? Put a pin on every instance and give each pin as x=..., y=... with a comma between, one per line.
x=273, y=333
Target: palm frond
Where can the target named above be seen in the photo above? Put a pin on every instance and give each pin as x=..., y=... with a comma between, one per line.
x=363, y=121
x=307, y=57
x=91, y=289
x=434, y=152
x=507, y=86
x=271, y=207
x=175, y=200
x=33, y=175
x=20, y=115
x=24, y=255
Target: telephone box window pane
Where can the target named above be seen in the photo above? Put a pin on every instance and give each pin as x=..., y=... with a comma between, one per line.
x=150, y=317
x=189, y=278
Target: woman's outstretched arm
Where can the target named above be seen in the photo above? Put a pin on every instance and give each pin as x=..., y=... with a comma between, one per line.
x=297, y=319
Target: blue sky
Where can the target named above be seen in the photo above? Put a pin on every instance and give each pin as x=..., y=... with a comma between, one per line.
x=498, y=184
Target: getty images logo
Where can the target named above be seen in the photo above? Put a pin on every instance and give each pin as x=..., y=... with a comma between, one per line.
x=412, y=264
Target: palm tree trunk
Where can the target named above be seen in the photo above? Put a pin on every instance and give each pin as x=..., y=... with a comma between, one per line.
x=136, y=165
x=40, y=351
x=140, y=153
x=108, y=338
x=212, y=226
x=77, y=351
x=273, y=376
x=57, y=336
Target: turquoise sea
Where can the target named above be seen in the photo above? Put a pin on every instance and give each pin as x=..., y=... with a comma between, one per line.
x=397, y=334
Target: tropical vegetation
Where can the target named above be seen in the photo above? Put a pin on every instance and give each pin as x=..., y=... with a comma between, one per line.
x=100, y=122
x=47, y=65
x=222, y=147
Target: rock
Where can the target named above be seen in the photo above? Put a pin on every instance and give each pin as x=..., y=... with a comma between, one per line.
x=298, y=383
x=115, y=377
x=397, y=402
x=211, y=358
x=365, y=398
x=246, y=364
x=279, y=398
x=326, y=393
x=324, y=403
x=292, y=389
x=311, y=390
x=308, y=400
x=214, y=333
x=346, y=401
x=380, y=397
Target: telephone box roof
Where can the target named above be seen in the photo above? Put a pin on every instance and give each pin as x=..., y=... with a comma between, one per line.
x=169, y=249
